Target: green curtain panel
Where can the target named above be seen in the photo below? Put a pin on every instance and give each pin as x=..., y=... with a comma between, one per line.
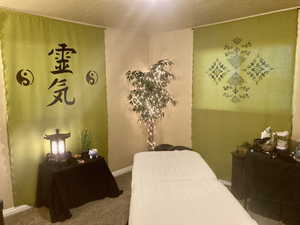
x=243, y=76
x=55, y=78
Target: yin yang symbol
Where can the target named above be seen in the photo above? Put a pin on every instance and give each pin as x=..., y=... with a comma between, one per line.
x=25, y=77
x=91, y=77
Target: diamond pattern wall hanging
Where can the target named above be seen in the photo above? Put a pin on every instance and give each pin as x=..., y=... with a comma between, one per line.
x=237, y=52
x=217, y=71
x=258, y=69
x=235, y=90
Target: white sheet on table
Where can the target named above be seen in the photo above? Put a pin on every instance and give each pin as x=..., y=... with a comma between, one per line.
x=192, y=202
x=179, y=188
x=169, y=165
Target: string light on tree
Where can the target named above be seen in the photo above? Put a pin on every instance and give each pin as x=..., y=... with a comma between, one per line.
x=149, y=96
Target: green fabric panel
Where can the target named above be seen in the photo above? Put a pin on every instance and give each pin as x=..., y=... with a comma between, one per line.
x=27, y=40
x=225, y=56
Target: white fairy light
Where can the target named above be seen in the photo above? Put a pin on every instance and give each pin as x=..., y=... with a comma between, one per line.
x=149, y=96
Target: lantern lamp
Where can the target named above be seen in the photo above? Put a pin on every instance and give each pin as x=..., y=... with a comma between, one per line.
x=57, y=144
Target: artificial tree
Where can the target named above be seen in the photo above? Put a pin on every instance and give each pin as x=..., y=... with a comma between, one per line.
x=149, y=95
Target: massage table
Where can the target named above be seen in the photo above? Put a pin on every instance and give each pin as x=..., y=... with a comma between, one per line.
x=179, y=188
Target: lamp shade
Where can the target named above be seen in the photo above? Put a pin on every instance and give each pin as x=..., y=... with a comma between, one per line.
x=57, y=142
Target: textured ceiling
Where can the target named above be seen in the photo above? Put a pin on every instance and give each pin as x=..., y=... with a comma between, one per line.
x=150, y=15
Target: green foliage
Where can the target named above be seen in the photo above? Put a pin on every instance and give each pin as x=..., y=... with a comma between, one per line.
x=149, y=96
x=86, y=140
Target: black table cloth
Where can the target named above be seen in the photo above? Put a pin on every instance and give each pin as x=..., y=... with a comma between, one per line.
x=1, y=213
x=272, y=186
x=62, y=187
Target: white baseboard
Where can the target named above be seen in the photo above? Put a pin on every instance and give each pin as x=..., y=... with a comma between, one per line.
x=122, y=171
x=15, y=210
x=225, y=182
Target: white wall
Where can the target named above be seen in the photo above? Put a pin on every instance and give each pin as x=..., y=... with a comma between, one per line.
x=177, y=46
x=132, y=51
x=5, y=179
x=124, y=51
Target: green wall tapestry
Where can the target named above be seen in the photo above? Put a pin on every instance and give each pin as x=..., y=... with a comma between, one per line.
x=55, y=78
x=242, y=82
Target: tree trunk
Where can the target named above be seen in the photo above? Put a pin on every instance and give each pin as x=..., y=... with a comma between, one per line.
x=150, y=126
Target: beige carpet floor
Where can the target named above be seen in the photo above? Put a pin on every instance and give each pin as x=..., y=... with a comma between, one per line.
x=108, y=211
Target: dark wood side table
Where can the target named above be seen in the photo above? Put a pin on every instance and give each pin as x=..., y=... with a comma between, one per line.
x=62, y=187
x=1, y=213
